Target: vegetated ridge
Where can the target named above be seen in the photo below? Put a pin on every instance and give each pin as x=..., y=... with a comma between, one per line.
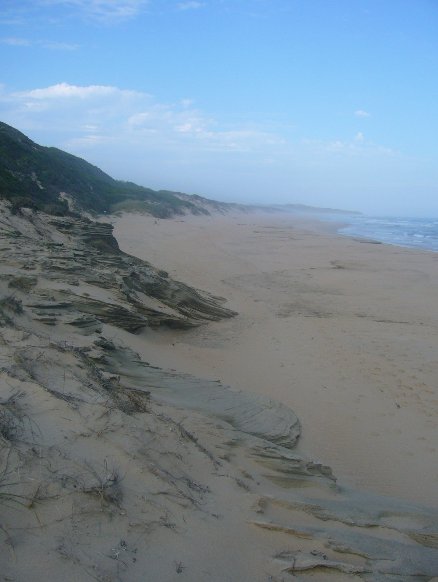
x=46, y=178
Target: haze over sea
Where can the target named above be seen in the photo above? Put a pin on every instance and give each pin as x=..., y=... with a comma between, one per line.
x=415, y=232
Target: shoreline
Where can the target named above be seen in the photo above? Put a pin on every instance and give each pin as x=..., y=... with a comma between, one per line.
x=380, y=238
x=326, y=324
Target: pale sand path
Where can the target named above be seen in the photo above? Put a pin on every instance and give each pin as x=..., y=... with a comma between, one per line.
x=344, y=332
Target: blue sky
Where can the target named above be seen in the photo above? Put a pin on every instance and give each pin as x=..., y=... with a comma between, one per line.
x=322, y=102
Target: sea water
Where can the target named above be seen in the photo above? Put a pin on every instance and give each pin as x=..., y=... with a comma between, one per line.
x=420, y=233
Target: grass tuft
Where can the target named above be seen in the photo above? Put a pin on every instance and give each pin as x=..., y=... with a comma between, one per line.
x=106, y=487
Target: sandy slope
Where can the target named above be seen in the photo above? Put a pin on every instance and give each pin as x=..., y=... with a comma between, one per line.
x=343, y=331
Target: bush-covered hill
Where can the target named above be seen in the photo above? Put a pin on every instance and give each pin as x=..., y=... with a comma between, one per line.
x=34, y=176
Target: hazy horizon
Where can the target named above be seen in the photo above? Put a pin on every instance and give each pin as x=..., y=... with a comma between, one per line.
x=330, y=104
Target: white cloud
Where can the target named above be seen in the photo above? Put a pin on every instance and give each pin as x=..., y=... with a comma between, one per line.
x=47, y=44
x=64, y=90
x=15, y=41
x=190, y=5
x=103, y=10
x=54, y=45
x=186, y=102
x=187, y=127
x=362, y=113
x=93, y=114
x=358, y=147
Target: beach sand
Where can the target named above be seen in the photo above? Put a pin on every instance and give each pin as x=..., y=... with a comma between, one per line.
x=342, y=330
x=147, y=435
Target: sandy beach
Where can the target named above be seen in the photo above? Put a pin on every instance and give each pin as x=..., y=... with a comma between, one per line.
x=343, y=331
x=239, y=398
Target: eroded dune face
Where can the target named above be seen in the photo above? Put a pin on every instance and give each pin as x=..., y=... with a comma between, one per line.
x=114, y=469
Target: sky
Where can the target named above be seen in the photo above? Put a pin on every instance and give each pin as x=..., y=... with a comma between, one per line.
x=330, y=103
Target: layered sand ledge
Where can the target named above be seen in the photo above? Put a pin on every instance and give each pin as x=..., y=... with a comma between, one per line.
x=145, y=427
x=343, y=331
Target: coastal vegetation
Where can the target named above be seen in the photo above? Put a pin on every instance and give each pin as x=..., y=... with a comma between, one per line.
x=33, y=176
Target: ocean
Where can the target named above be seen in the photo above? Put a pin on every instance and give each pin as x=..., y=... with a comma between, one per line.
x=418, y=233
